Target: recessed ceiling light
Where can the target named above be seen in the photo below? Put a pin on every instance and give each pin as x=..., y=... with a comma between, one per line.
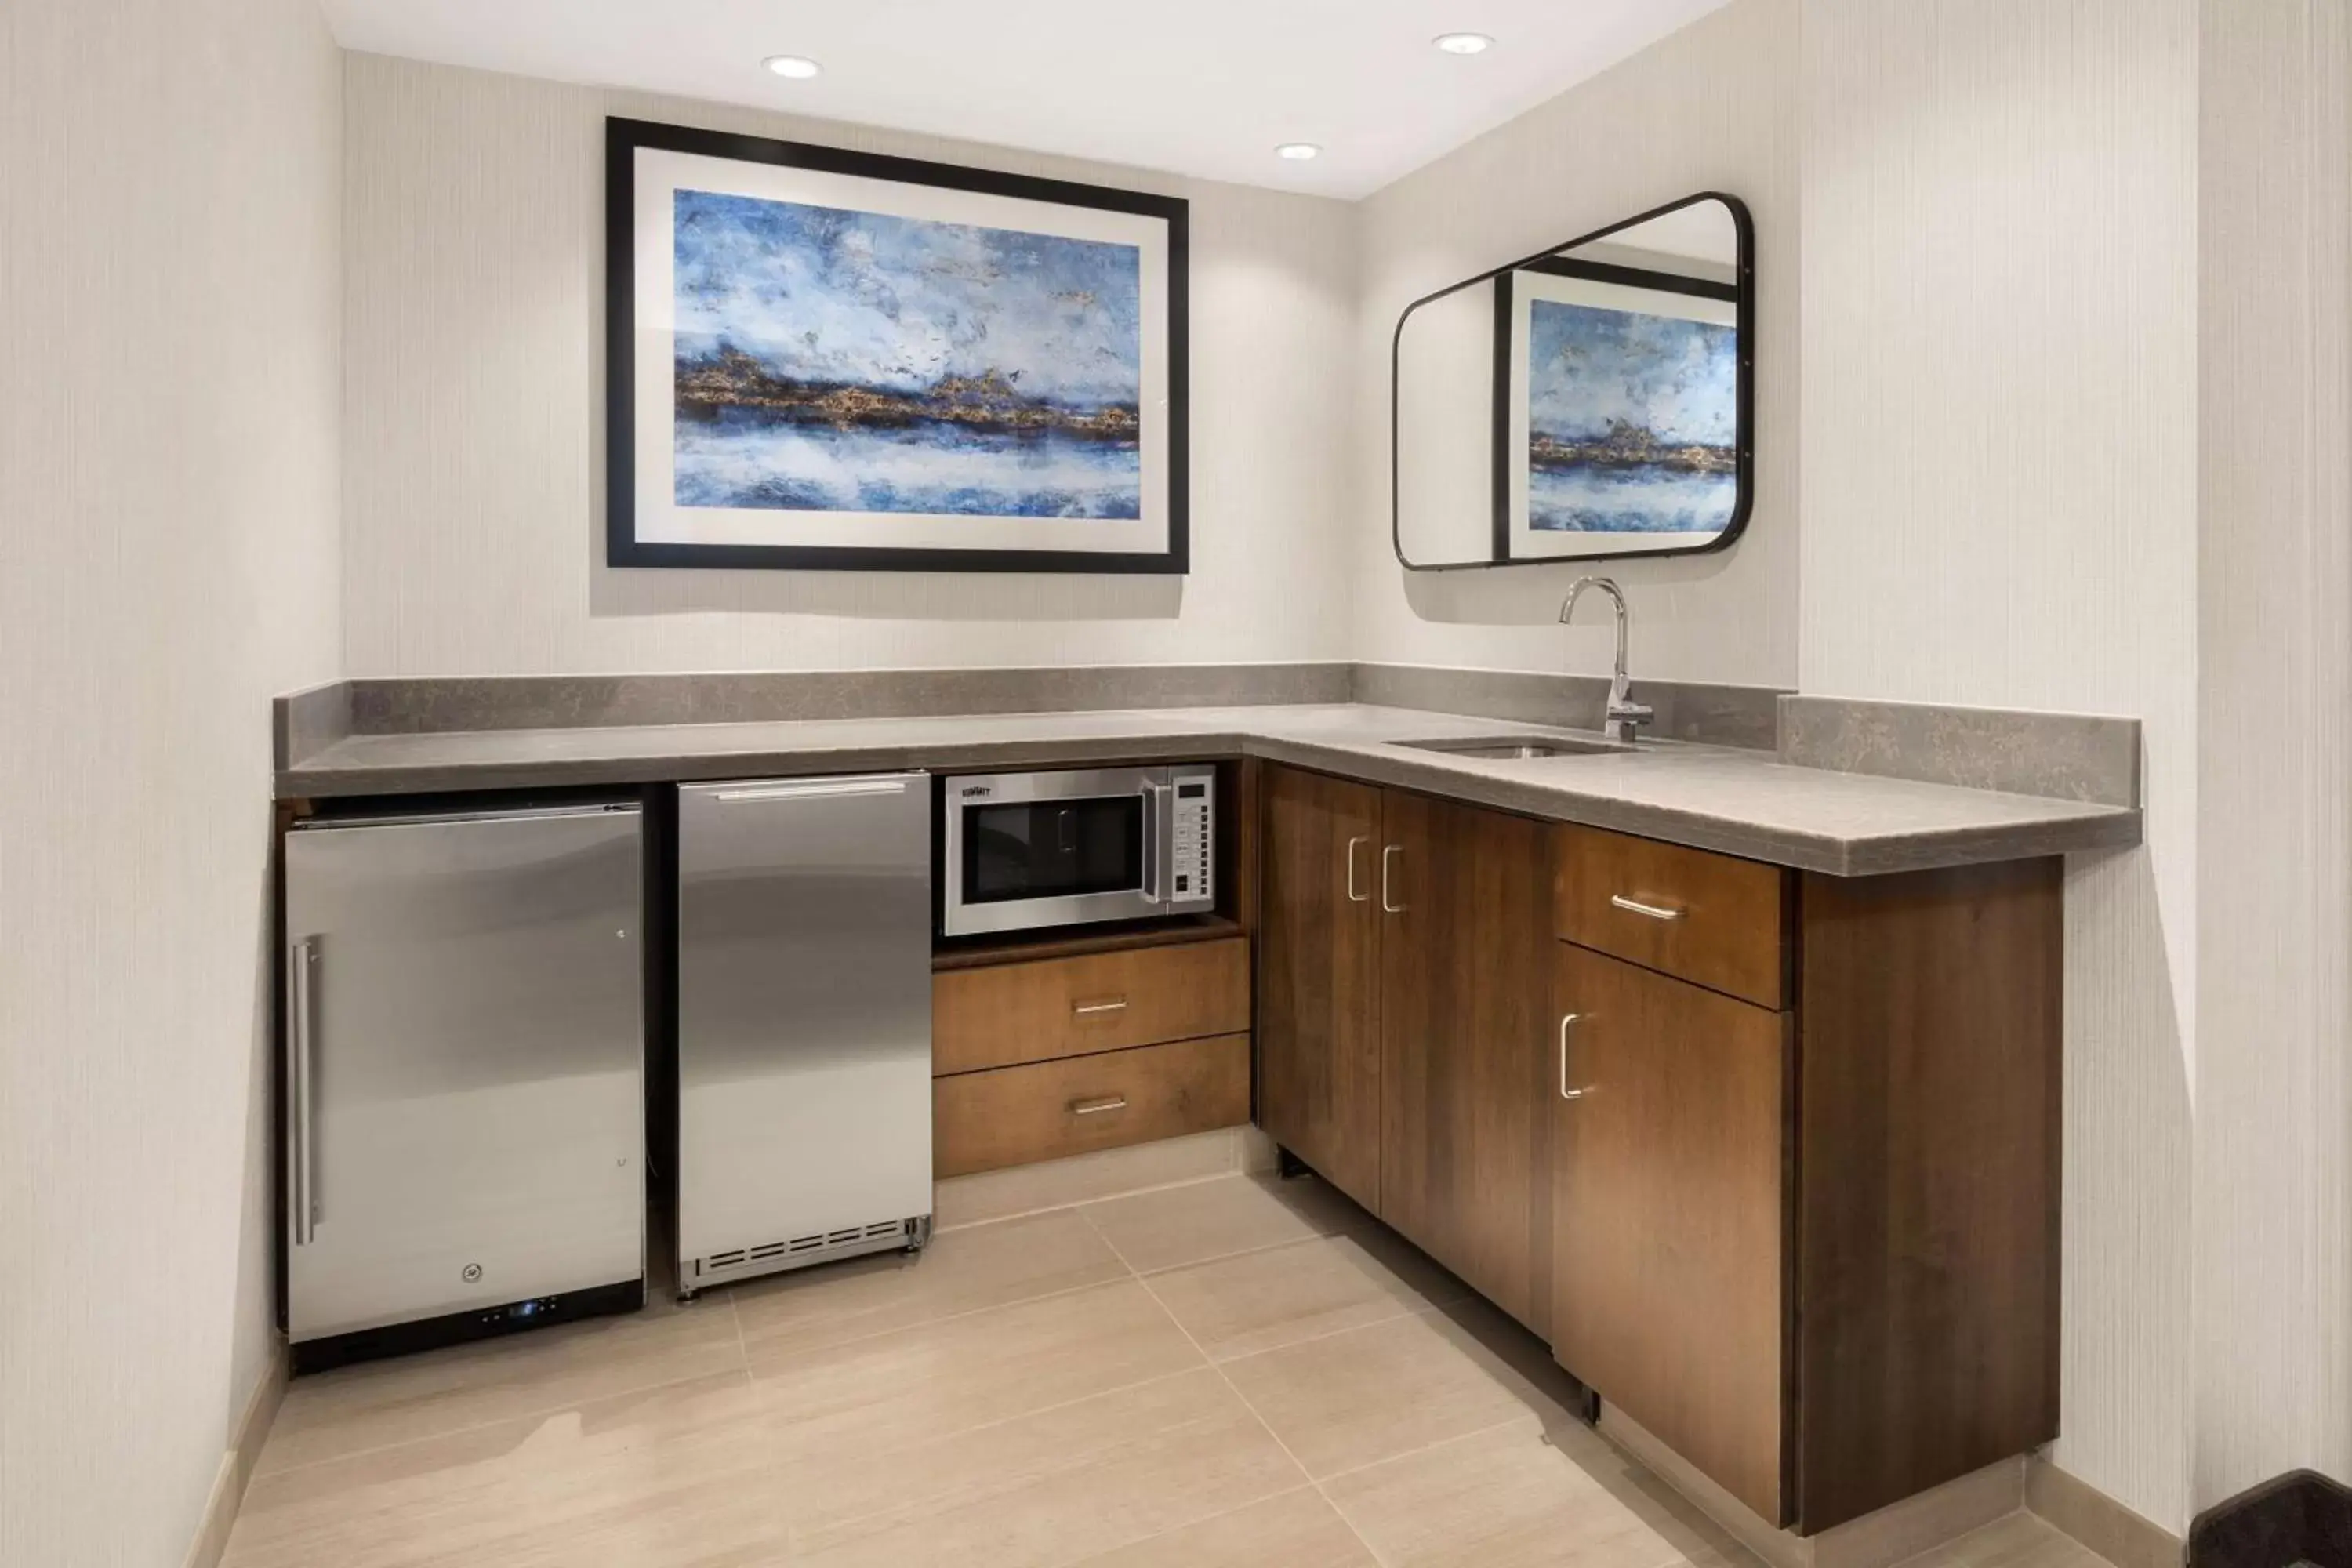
x=1299, y=151
x=797, y=67
x=1465, y=43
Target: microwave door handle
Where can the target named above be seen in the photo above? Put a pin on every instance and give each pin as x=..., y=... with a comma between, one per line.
x=1159, y=846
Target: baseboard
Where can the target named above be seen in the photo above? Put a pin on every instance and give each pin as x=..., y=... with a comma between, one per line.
x=1891, y=1535
x=2073, y=1505
x=236, y=1463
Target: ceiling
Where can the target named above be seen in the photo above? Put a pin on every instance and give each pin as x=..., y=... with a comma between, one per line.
x=1206, y=88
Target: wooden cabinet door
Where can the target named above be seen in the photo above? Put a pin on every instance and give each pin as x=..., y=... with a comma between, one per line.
x=1319, y=987
x=1466, y=943
x=1669, y=1125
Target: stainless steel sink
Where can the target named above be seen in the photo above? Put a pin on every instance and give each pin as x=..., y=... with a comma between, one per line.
x=1517, y=748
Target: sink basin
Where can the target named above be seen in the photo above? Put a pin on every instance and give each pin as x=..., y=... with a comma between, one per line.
x=1518, y=748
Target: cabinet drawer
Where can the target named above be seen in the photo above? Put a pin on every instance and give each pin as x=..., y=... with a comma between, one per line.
x=1014, y=1115
x=1012, y=1013
x=1705, y=918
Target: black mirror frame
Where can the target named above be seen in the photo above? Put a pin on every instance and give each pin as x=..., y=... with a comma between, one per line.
x=1744, y=225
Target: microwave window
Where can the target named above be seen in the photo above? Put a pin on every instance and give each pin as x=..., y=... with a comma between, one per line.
x=1052, y=848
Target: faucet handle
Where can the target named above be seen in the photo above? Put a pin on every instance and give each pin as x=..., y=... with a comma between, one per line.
x=1623, y=717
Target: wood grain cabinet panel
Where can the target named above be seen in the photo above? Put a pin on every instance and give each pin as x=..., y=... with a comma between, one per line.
x=1464, y=1042
x=1927, y=1226
x=1708, y=918
x=1786, y=1189
x=1670, y=1118
x=1011, y=1013
x=1045, y=1111
x=1319, y=1092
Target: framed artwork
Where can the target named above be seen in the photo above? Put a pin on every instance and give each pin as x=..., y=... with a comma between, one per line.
x=1619, y=412
x=820, y=359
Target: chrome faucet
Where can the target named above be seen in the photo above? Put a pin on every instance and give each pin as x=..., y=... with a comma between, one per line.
x=1624, y=715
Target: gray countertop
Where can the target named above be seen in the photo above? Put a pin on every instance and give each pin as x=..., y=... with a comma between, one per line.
x=1737, y=802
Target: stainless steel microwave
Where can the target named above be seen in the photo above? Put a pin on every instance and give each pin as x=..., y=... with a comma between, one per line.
x=1028, y=850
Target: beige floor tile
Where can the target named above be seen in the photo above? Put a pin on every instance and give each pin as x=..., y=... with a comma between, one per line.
x=2021, y=1540
x=1261, y=1300
x=894, y=1389
x=1356, y=1398
x=1510, y=1498
x=990, y=1196
x=665, y=1478
x=1177, y=1225
x=1046, y=1489
x=960, y=1272
x=1296, y=1530
x=398, y=1401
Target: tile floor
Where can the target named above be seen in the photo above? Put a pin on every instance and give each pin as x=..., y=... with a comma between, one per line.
x=1232, y=1371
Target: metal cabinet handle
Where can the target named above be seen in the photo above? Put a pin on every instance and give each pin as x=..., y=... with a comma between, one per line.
x=1087, y=1009
x=1388, y=853
x=1096, y=1107
x=1565, y=1092
x=1636, y=907
x=1353, y=844
x=301, y=1139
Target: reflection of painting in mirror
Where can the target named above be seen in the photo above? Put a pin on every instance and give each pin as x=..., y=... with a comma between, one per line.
x=1620, y=412
x=1591, y=402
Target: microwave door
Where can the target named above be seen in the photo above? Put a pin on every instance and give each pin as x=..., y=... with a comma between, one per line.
x=1060, y=860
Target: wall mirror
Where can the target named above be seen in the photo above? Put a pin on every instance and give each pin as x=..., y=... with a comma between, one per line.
x=1592, y=401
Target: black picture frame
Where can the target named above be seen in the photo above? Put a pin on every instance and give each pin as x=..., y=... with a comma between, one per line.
x=623, y=548
x=1742, y=293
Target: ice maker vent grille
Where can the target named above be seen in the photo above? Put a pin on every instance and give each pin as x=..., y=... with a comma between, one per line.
x=791, y=1253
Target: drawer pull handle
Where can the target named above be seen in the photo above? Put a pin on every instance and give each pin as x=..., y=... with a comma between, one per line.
x=1096, y=1107
x=1087, y=1009
x=1636, y=907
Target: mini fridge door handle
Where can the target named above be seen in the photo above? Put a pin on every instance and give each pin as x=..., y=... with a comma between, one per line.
x=814, y=789
x=301, y=1069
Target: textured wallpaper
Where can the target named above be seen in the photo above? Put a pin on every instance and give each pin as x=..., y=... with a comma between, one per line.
x=168, y=561
x=473, y=420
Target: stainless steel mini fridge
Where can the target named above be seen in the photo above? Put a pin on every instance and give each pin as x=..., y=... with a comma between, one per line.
x=464, y=1075
x=803, y=1023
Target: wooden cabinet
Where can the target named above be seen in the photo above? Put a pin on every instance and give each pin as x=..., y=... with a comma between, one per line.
x=1402, y=1011
x=1319, y=1092
x=1465, y=894
x=1075, y=1105
x=1812, y=1248
x=1669, y=1148
x=1000, y=1015
x=1800, y=1217
x=1039, y=1053
x=1707, y=919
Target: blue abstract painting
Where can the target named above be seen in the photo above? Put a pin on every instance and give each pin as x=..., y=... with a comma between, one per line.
x=829, y=360
x=1632, y=421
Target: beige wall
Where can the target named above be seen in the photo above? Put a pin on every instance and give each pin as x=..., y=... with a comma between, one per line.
x=2273, y=1204
x=169, y=185
x=2060, y=269
x=473, y=489
x=1713, y=107
x=2000, y=456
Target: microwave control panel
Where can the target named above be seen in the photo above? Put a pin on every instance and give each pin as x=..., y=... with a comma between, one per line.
x=1192, y=838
